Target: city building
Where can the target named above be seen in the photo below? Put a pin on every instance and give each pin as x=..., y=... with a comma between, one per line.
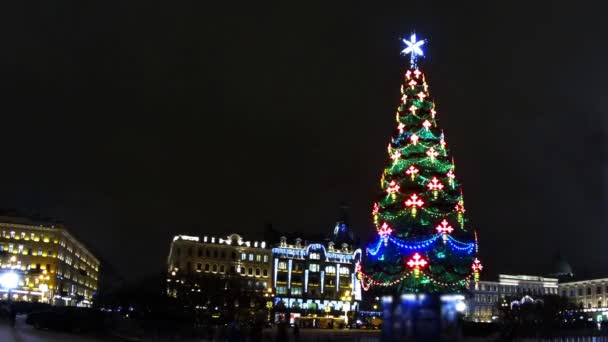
x=214, y=269
x=49, y=264
x=317, y=276
x=589, y=295
x=486, y=296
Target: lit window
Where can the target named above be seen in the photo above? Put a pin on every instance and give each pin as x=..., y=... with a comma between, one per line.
x=258, y=258
x=314, y=267
x=281, y=290
x=20, y=249
x=243, y=256
x=315, y=256
x=282, y=265
x=296, y=291
x=265, y=258
x=250, y=257
x=344, y=270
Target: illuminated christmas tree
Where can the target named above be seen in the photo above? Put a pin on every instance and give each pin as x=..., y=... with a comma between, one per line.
x=424, y=243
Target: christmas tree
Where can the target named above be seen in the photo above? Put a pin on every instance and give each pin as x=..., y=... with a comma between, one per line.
x=424, y=243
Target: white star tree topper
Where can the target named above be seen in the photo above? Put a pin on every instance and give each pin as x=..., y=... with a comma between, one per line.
x=414, y=49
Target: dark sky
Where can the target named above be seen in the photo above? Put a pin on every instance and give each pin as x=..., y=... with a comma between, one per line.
x=133, y=121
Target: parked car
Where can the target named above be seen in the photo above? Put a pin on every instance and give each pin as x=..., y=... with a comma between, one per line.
x=67, y=319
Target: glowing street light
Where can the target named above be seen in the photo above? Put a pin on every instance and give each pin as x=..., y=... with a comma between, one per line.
x=9, y=280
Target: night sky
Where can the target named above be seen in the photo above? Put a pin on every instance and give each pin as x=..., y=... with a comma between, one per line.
x=133, y=121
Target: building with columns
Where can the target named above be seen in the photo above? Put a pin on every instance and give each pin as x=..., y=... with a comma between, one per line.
x=486, y=296
x=317, y=276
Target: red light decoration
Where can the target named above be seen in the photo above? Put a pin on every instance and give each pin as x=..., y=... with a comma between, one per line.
x=444, y=228
x=401, y=127
x=416, y=263
x=435, y=184
x=432, y=154
x=417, y=73
x=376, y=209
x=477, y=267
x=392, y=187
x=412, y=83
x=395, y=156
x=412, y=171
x=414, y=138
x=414, y=201
x=451, y=176
x=385, y=231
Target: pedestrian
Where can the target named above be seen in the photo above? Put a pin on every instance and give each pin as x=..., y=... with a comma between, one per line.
x=12, y=314
x=296, y=331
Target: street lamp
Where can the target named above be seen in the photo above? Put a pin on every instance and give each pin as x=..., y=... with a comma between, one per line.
x=346, y=299
x=9, y=280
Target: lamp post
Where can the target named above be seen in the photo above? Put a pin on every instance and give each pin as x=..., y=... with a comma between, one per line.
x=346, y=299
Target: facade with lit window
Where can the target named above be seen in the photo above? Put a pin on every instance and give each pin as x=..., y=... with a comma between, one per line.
x=201, y=270
x=487, y=296
x=588, y=295
x=50, y=264
x=315, y=277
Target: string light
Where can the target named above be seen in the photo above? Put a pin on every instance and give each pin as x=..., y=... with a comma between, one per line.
x=401, y=127
x=421, y=96
x=414, y=138
x=451, y=177
x=426, y=124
